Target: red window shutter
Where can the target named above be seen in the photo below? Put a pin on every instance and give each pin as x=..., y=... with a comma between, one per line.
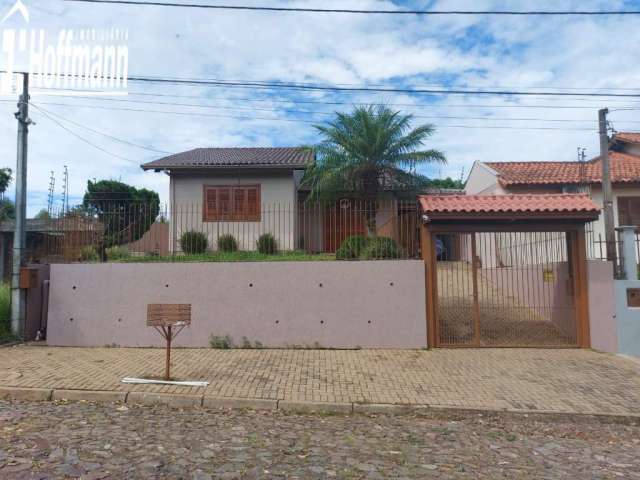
x=253, y=203
x=211, y=204
x=224, y=203
x=239, y=203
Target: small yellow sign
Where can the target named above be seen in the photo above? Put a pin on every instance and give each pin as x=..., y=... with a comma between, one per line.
x=549, y=276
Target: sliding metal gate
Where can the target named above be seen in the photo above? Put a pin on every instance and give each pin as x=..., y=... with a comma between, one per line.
x=505, y=289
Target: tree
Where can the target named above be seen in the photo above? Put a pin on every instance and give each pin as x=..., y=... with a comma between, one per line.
x=43, y=214
x=125, y=211
x=7, y=210
x=446, y=183
x=367, y=150
x=5, y=179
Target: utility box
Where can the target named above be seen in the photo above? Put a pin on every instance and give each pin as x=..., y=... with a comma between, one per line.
x=633, y=297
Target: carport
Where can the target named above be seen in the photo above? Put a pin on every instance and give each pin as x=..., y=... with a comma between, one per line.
x=518, y=277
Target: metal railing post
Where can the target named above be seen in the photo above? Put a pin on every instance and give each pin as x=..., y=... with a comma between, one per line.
x=628, y=251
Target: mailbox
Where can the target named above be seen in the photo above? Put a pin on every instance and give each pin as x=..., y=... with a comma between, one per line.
x=633, y=297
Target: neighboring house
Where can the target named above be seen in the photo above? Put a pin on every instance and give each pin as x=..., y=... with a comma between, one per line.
x=499, y=178
x=59, y=239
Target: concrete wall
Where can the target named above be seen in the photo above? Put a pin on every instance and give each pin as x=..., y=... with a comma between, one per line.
x=333, y=304
x=278, y=204
x=482, y=181
x=628, y=319
x=602, y=310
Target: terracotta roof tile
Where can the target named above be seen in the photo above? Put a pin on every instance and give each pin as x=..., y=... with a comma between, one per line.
x=294, y=157
x=625, y=168
x=517, y=203
x=629, y=137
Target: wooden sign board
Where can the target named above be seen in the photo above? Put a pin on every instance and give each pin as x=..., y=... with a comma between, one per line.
x=168, y=314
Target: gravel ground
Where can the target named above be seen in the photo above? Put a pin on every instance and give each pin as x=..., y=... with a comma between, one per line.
x=96, y=441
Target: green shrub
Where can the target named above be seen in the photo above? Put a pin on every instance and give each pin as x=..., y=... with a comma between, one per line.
x=267, y=244
x=117, y=253
x=193, y=242
x=381, y=247
x=89, y=254
x=219, y=342
x=5, y=311
x=351, y=247
x=227, y=243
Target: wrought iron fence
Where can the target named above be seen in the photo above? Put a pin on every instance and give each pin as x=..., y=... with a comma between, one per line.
x=130, y=231
x=597, y=249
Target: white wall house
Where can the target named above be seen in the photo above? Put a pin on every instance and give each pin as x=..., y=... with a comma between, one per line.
x=244, y=192
x=500, y=178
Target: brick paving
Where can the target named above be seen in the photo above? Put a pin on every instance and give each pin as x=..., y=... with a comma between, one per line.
x=561, y=380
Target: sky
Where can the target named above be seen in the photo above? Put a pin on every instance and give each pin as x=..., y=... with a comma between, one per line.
x=103, y=137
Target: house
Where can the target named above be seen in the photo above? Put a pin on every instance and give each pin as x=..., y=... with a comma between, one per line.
x=50, y=239
x=500, y=178
x=241, y=191
x=246, y=192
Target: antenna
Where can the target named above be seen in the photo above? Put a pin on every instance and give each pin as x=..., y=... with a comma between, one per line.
x=581, y=167
x=462, y=174
x=52, y=184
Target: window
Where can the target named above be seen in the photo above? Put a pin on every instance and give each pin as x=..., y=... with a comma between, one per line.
x=237, y=203
x=628, y=210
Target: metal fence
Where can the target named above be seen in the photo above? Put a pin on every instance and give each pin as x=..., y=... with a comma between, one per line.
x=597, y=249
x=129, y=231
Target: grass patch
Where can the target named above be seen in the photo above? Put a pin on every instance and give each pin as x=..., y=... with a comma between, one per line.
x=239, y=256
x=5, y=313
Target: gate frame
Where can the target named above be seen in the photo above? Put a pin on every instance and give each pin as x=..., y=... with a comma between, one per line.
x=572, y=225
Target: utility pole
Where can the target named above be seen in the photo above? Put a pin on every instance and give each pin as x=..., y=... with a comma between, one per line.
x=19, y=236
x=609, y=226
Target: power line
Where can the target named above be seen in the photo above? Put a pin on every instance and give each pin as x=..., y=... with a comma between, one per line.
x=81, y=138
x=315, y=112
x=335, y=88
x=198, y=114
x=363, y=88
x=322, y=102
x=375, y=12
x=126, y=142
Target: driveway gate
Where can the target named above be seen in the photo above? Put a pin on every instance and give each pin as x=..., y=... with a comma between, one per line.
x=509, y=278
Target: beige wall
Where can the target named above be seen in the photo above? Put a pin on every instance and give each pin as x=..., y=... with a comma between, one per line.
x=334, y=304
x=482, y=181
x=618, y=191
x=278, y=204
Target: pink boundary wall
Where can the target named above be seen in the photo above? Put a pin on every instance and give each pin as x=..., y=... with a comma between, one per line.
x=330, y=304
x=602, y=321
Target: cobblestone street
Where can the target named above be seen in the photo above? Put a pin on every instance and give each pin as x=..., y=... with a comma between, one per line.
x=100, y=441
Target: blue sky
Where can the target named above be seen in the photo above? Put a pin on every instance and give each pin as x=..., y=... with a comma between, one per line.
x=465, y=51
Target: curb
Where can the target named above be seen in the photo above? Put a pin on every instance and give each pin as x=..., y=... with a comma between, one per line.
x=174, y=400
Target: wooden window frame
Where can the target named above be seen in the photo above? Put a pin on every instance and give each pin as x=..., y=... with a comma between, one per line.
x=626, y=210
x=233, y=216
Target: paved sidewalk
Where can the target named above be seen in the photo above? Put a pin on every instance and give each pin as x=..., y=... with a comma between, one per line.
x=559, y=380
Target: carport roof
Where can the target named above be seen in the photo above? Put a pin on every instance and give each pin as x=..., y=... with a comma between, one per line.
x=529, y=206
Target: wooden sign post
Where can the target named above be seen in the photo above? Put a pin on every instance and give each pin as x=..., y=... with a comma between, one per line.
x=168, y=319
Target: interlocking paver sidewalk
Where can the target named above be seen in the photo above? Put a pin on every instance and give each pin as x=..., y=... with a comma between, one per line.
x=561, y=380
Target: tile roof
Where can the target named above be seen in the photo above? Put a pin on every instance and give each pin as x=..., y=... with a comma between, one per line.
x=625, y=168
x=275, y=157
x=629, y=137
x=533, y=204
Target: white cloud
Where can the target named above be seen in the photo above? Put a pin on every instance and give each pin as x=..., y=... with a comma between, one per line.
x=471, y=51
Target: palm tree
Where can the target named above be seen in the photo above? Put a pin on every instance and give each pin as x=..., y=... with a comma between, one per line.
x=365, y=151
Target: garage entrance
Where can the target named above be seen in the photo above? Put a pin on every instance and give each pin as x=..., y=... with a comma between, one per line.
x=509, y=274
